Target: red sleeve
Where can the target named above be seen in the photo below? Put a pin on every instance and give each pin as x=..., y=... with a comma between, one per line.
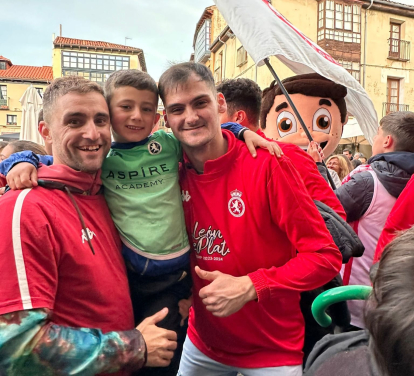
x=401, y=218
x=3, y=181
x=318, y=259
x=28, y=266
x=316, y=185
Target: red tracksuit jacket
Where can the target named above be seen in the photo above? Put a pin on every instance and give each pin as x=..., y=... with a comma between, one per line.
x=248, y=216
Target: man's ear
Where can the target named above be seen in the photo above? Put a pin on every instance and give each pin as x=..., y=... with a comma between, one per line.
x=388, y=142
x=156, y=119
x=222, y=104
x=45, y=132
x=164, y=114
x=241, y=116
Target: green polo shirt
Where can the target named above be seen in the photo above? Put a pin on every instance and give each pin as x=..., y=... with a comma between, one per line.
x=143, y=194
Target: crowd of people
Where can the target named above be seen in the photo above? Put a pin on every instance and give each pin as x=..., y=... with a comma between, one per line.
x=199, y=252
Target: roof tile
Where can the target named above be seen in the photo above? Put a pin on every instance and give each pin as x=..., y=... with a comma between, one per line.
x=27, y=72
x=2, y=58
x=93, y=44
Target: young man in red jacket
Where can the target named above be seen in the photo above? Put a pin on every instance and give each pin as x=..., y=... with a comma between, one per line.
x=258, y=240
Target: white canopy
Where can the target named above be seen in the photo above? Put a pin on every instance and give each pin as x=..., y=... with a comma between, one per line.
x=31, y=105
x=353, y=134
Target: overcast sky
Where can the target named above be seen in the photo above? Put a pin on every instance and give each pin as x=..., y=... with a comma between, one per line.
x=164, y=29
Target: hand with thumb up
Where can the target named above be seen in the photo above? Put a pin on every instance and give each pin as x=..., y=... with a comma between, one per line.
x=225, y=294
x=161, y=343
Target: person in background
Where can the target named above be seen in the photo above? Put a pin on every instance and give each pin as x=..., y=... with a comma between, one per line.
x=401, y=218
x=15, y=147
x=355, y=163
x=386, y=348
x=348, y=154
x=339, y=164
x=363, y=160
x=21, y=145
x=2, y=145
x=370, y=191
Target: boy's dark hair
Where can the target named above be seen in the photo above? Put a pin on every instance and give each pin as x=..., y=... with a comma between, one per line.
x=400, y=125
x=129, y=77
x=242, y=94
x=390, y=320
x=313, y=85
x=180, y=73
x=22, y=145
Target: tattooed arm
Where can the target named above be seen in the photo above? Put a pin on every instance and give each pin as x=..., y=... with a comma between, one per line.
x=30, y=342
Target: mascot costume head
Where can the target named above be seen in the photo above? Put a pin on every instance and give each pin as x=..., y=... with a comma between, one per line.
x=320, y=102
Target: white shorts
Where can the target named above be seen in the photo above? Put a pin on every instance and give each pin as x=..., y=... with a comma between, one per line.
x=195, y=363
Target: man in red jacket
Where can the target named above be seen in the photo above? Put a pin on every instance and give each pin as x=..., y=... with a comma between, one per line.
x=64, y=296
x=258, y=240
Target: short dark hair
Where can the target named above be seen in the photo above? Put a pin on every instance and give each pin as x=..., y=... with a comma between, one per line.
x=311, y=84
x=347, y=150
x=180, y=73
x=400, y=125
x=389, y=317
x=65, y=85
x=22, y=145
x=242, y=94
x=129, y=77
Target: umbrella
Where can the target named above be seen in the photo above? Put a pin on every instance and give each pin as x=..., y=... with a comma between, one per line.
x=353, y=134
x=264, y=32
x=31, y=105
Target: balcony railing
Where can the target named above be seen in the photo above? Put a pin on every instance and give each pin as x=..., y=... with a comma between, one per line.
x=4, y=104
x=393, y=107
x=399, y=49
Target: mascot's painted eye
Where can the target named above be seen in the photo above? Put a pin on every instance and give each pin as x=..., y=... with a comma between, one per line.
x=286, y=123
x=322, y=121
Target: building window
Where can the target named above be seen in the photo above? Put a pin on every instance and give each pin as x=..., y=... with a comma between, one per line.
x=202, y=44
x=11, y=119
x=3, y=65
x=352, y=67
x=395, y=38
x=92, y=66
x=3, y=96
x=39, y=91
x=241, y=56
x=217, y=68
x=339, y=21
x=393, y=91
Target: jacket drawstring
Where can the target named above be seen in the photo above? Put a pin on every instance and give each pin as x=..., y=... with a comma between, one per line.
x=85, y=231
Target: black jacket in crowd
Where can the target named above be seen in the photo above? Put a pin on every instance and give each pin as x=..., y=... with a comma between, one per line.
x=393, y=170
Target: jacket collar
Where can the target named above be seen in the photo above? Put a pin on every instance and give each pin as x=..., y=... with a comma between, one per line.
x=220, y=165
x=87, y=183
